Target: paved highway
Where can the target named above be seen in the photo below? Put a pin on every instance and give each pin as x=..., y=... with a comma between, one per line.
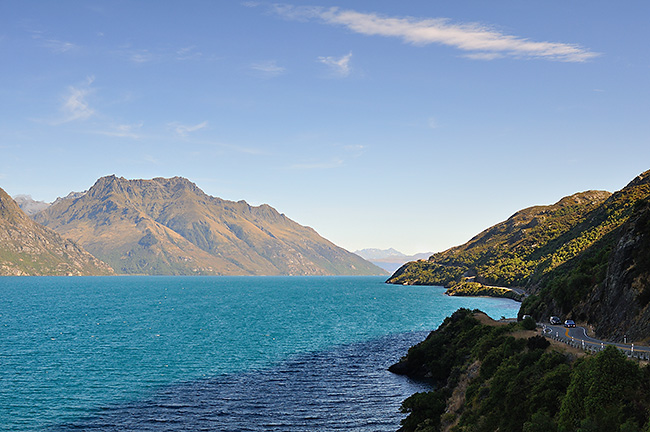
x=579, y=335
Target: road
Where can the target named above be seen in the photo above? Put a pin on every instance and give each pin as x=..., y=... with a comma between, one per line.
x=579, y=336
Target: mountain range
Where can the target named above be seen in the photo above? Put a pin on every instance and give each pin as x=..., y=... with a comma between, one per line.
x=168, y=226
x=29, y=205
x=27, y=248
x=389, y=259
x=586, y=257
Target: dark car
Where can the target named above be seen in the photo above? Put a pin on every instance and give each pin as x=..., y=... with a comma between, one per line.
x=569, y=323
x=555, y=320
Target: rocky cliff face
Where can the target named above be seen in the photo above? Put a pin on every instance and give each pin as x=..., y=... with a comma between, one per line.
x=618, y=307
x=170, y=226
x=27, y=248
x=625, y=295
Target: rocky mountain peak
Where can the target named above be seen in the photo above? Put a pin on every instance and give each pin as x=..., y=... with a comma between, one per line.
x=170, y=226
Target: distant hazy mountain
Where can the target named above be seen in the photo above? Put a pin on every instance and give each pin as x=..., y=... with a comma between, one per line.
x=170, y=226
x=379, y=254
x=27, y=248
x=29, y=206
x=390, y=259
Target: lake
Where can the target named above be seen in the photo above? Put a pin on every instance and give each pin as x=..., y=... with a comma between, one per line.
x=212, y=353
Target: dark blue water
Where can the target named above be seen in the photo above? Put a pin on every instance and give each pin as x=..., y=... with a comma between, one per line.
x=214, y=354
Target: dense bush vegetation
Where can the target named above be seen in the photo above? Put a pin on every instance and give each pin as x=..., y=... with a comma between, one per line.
x=427, y=273
x=509, y=254
x=465, y=288
x=522, y=385
x=561, y=255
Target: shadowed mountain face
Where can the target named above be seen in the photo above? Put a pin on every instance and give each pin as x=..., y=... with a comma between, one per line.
x=170, y=226
x=29, y=249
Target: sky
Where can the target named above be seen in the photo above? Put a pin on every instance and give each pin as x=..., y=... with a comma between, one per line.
x=412, y=125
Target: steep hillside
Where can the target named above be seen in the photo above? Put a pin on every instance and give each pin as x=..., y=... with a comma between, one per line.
x=27, y=248
x=510, y=253
x=170, y=226
x=586, y=257
x=494, y=377
x=608, y=284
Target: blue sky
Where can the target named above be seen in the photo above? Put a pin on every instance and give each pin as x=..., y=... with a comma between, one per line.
x=411, y=125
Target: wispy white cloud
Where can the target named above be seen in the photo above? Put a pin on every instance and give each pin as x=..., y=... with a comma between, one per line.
x=75, y=105
x=188, y=53
x=54, y=45
x=268, y=68
x=484, y=56
x=355, y=150
x=184, y=130
x=340, y=66
x=147, y=55
x=354, y=147
x=477, y=40
x=123, y=131
x=432, y=123
x=59, y=47
x=141, y=56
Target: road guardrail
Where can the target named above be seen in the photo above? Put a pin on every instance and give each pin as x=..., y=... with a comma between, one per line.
x=641, y=353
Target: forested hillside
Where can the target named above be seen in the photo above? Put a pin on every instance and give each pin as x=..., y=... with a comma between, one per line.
x=492, y=377
x=585, y=257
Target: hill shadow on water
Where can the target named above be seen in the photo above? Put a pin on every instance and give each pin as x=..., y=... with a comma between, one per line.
x=345, y=388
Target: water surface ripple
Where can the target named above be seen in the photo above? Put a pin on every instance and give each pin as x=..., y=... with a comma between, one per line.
x=346, y=388
x=222, y=353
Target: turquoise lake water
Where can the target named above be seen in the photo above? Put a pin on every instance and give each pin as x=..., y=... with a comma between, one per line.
x=92, y=353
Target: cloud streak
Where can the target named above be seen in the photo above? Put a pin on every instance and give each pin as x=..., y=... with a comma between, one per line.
x=123, y=131
x=268, y=68
x=75, y=105
x=59, y=47
x=184, y=130
x=340, y=66
x=55, y=46
x=478, y=41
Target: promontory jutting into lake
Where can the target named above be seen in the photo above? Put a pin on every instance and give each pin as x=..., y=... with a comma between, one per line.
x=213, y=353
